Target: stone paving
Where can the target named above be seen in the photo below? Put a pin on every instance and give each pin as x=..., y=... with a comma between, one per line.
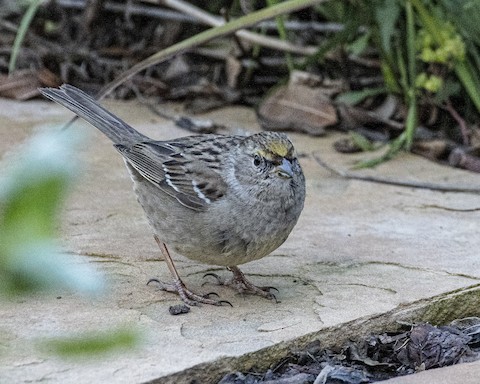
x=359, y=249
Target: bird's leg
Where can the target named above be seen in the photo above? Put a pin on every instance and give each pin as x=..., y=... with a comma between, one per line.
x=178, y=286
x=242, y=285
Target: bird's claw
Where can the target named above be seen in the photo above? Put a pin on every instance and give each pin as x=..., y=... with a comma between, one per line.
x=240, y=283
x=187, y=296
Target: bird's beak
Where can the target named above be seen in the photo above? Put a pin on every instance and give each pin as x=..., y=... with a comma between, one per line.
x=284, y=170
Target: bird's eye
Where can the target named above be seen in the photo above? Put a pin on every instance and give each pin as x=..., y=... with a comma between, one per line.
x=257, y=160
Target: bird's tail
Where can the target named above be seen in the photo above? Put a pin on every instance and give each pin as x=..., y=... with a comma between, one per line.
x=88, y=109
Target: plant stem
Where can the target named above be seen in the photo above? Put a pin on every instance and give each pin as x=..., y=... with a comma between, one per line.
x=22, y=31
x=411, y=122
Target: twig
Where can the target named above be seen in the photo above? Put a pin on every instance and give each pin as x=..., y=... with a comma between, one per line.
x=134, y=9
x=9, y=26
x=91, y=13
x=390, y=181
x=184, y=122
x=461, y=122
x=252, y=37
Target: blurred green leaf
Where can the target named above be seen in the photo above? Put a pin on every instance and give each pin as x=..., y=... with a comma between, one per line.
x=332, y=10
x=93, y=344
x=448, y=89
x=360, y=44
x=40, y=266
x=466, y=16
x=31, y=194
x=355, y=97
x=362, y=142
x=22, y=31
x=389, y=77
x=386, y=16
x=29, y=208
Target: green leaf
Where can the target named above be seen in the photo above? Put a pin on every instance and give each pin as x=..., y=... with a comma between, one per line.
x=332, y=10
x=93, y=344
x=22, y=31
x=355, y=97
x=361, y=141
x=449, y=88
x=40, y=266
x=360, y=44
x=386, y=16
x=466, y=15
x=28, y=212
x=31, y=194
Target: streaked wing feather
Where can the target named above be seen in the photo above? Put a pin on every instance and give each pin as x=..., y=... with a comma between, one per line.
x=193, y=183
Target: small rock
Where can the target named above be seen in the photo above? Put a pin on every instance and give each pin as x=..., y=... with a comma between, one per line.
x=178, y=309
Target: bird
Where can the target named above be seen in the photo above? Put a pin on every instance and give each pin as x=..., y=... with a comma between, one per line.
x=221, y=200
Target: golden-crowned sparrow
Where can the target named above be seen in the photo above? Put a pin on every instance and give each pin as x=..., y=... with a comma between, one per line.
x=222, y=200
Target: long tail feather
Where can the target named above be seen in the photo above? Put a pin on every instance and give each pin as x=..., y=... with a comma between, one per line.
x=88, y=109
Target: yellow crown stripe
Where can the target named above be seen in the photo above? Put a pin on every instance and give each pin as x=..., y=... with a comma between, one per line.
x=275, y=148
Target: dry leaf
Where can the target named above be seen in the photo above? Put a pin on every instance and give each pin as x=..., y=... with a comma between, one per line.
x=298, y=106
x=23, y=84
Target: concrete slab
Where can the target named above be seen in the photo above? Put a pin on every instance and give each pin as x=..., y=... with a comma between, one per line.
x=359, y=249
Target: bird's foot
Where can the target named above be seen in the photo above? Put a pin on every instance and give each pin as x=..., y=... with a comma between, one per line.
x=240, y=283
x=177, y=286
x=187, y=296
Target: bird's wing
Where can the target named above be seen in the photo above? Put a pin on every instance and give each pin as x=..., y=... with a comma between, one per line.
x=192, y=181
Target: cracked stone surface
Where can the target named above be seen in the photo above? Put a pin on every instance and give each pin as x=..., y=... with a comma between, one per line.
x=359, y=249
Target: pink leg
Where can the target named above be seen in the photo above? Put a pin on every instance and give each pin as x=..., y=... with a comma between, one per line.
x=177, y=286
